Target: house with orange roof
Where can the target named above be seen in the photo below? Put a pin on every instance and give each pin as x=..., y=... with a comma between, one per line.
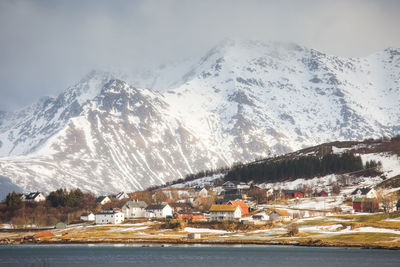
x=242, y=205
x=225, y=212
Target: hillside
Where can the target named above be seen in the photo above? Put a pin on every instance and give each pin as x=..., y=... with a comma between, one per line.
x=241, y=101
x=376, y=162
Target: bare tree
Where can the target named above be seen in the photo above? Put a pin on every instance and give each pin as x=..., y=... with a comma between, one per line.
x=336, y=188
x=387, y=201
x=293, y=229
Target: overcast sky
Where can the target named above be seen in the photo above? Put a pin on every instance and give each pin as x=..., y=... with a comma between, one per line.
x=46, y=46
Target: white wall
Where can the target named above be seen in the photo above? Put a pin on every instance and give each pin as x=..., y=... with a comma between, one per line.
x=113, y=218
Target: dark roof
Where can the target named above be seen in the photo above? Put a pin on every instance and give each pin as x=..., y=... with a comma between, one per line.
x=135, y=204
x=227, y=198
x=108, y=212
x=32, y=195
x=100, y=199
x=85, y=214
x=364, y=191
x=398, y=203
x=155, y=207
x=121, y=194
x=287, y=191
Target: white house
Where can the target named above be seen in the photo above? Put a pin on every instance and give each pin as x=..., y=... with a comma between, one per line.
x=87, y=216
x=225, y=212
x=121, y=196
x=364, y=193
x=110, y=217
x=33, y=197
x=103, y=200
x=242, y=186
x=134, y=209
x=158, y=211
x=229, y=186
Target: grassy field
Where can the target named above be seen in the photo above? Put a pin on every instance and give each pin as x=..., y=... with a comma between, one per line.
x=346, y=230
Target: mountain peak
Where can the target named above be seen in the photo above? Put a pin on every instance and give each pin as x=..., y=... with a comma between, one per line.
x=243, y=100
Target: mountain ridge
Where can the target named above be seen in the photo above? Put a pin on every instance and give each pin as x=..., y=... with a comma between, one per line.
x=241, y=101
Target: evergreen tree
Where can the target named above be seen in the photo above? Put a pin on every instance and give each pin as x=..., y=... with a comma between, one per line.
x=13, y=199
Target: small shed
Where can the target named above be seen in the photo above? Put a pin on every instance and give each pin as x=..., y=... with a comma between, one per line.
x=194, y=235
x=61, y=225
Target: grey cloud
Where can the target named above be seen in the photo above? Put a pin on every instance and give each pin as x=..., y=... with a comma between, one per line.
x=47, y=45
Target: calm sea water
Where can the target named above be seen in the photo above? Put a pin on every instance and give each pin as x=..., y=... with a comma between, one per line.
x=108, y=255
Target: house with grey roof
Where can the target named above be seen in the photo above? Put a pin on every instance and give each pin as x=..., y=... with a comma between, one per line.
x=134, y=209
x=158, y=211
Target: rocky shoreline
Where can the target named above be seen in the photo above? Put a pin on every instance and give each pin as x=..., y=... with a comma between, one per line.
x=168, y=242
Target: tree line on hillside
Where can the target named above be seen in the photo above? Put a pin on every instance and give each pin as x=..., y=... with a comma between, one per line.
x=60, y=205
x=301, y=167
x=191, y=177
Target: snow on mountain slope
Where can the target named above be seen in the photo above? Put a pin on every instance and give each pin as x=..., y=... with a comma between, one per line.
x=123, y=139
x=28, y=129
x=241, y=101
x=273, y=98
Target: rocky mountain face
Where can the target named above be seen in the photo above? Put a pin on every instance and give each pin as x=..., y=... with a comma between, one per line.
x=241, y=101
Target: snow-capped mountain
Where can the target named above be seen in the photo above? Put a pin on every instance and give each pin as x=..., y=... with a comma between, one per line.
x=241, y=101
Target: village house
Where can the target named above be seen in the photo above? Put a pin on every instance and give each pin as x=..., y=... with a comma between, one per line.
x=87, y=216
x=33, y=197
x=134, y=209
x=288, y=194
x=235, y=188
x=243, y=206
x=113, y=216
x=242, y=187
x=257, y=219
x=225, y=212
x=280, y=216
x=398, y=205
x=121, y=196
x=227, y=186
x=158, y=211
x=365, y=204
x=203, y=193
x=227, y=198
x=364, y=193
x=103, y=200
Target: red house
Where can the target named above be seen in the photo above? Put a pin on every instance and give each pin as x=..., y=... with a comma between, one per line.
x=322, y=194
x=243, y=206
x=298, y=194
x=357, y=205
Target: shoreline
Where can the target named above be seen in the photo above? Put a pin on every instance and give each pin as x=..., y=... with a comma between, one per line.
x=188, y=243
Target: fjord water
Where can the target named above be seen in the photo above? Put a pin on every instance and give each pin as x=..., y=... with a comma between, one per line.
x=107, y=255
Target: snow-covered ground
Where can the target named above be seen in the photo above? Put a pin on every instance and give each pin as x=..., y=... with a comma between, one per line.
x=201, y=182
x=390, y=163
x=204, y=230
